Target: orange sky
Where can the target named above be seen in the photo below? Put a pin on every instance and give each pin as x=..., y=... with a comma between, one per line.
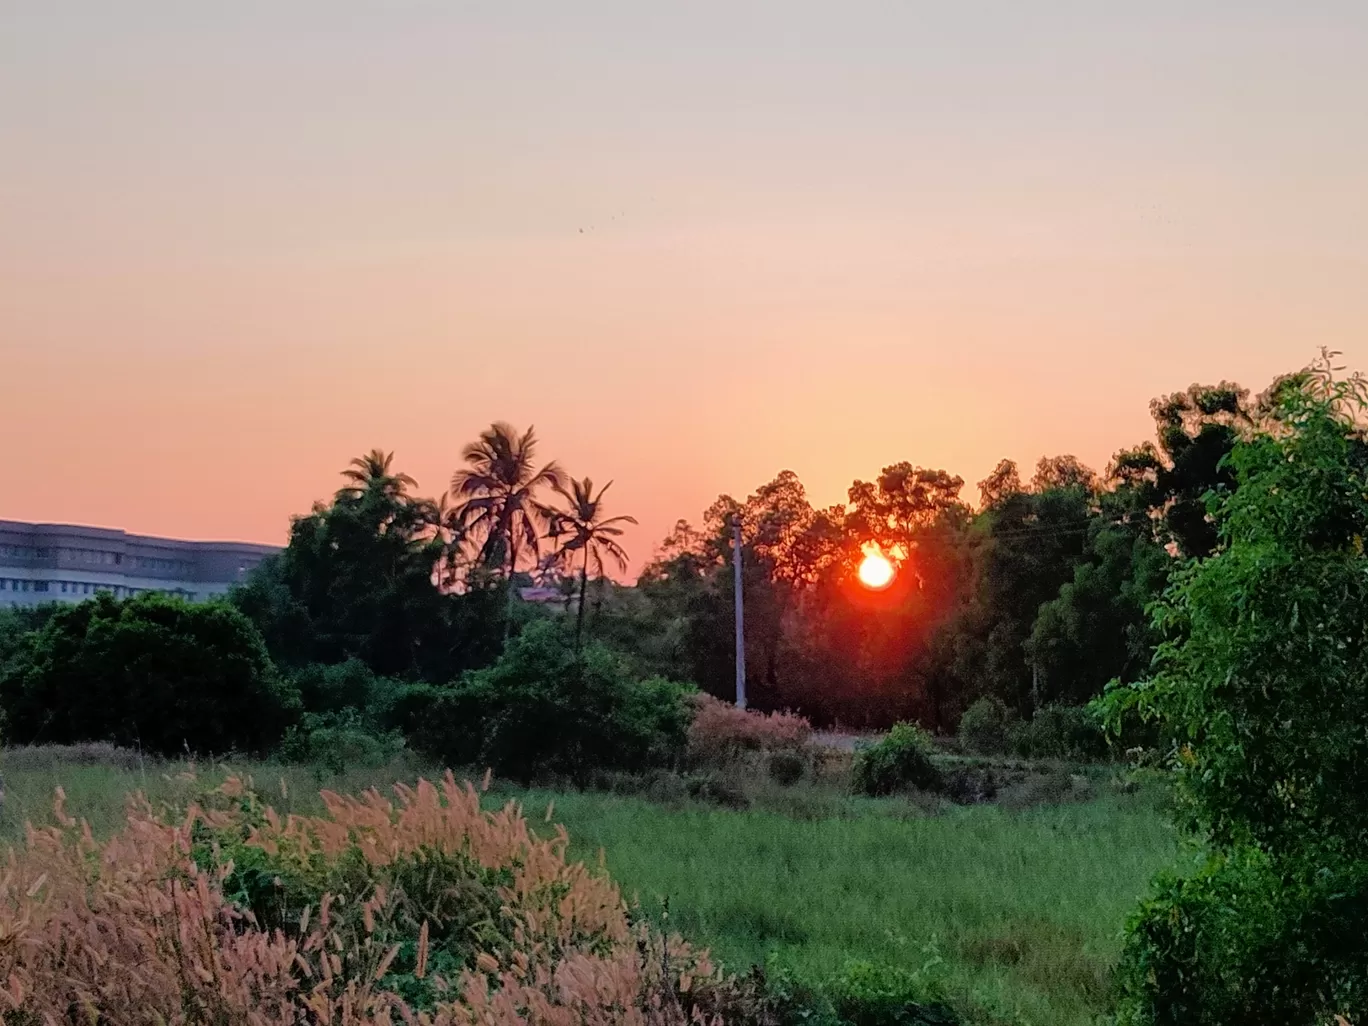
x=240, y=246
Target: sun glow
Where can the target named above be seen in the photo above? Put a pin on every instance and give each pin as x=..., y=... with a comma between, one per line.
x=876, y=572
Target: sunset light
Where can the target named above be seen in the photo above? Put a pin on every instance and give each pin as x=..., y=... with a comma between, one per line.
x=876, y=572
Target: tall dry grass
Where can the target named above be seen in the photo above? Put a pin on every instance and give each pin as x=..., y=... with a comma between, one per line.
x=135, y=929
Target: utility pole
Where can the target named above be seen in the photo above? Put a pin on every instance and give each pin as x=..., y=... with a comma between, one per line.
x=740, y=615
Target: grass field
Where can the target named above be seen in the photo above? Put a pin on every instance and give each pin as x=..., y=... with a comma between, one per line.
x=1015, y=917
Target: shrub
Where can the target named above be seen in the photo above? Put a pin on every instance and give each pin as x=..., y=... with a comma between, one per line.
x=339, y=740
x=720, y=732
x=858, y=994
x=986, y=727
x=787, y=768
x=543, y=708
x=332, y=688
x=875, y=995
x=1242, y=943
x=149, y=672
x=372, y=913
x=901, y=760
x=1060, y=732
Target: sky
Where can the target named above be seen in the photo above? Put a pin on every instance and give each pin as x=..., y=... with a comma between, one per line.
x=694, y=243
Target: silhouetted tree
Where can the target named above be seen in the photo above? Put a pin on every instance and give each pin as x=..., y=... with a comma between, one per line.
x=592, y=537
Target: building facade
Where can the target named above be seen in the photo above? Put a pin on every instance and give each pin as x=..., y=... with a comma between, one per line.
x=62, y=563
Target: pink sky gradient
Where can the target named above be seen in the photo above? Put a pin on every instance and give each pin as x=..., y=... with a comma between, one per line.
x=694, y=244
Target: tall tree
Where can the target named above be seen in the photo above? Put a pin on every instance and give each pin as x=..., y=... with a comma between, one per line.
x=1055, y=472
x=496, y=498
x=356, y=581
x=592, y=536
x=375, y=470
x=1000, y=485
x=1197, y=430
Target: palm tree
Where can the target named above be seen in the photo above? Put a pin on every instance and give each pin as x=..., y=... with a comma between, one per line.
x=589, y=533
x=495, y=497
x=439, y=518
x=375, y=469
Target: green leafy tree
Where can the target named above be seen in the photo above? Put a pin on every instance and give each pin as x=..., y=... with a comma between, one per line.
x=1021, y=550
x=1055, y=473
x=1000, y=485
x=150, y=672
x=357, y=580
x=1096, y=628
x=1262, y=683
x=545, y=708
x=1197, y=430
x=593, y=537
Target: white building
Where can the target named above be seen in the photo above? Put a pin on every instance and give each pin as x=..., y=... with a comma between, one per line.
x=62, y=563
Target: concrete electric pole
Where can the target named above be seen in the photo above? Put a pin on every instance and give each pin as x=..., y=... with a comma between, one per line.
x=740, y=616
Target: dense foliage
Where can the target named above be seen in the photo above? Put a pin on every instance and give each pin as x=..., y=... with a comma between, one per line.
x=546, y=707
x=898, y=761
x=357, y=582
x=150, y=672
x=1262, y=682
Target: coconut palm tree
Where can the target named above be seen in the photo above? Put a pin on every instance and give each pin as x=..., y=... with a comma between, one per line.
x=592, y=537
x=495, y=497
x=376, y=468
x=438, y=516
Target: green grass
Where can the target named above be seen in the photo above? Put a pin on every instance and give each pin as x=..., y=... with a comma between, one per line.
x=1015, y=917
x=1024, y=910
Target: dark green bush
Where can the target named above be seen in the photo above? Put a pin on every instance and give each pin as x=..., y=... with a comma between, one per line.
x=859, y=994
x=339, y=740
x=544, y=708
x=986, y=727
x=1245, y=943
x=16, y=623
x=875, y=995
x=151, y=672
x=901, y=760
x=1060, y=732
x=332, y=688
x=787, y=768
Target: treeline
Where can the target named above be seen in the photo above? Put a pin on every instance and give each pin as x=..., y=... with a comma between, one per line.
x=1035, y=597
x=392, y=619
x=388, y=621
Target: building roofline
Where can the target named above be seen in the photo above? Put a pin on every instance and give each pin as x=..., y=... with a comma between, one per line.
x=118, y=534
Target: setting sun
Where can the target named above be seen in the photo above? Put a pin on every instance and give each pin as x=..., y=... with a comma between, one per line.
x=876, y=572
